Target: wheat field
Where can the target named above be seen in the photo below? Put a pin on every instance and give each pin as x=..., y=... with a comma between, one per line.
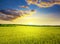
x=29, y=35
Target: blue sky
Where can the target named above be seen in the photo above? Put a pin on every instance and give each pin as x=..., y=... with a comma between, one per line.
x=11, y=3
x=14, y=4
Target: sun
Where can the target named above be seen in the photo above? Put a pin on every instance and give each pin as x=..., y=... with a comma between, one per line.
x=30, y=23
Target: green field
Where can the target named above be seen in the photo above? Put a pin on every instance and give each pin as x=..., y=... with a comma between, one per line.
x=29, y=35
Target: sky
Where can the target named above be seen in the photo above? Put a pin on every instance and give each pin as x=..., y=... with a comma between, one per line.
x=47, y=12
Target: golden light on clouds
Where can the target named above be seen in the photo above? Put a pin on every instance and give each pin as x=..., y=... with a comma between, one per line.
x=42, y=3
x=23, y=6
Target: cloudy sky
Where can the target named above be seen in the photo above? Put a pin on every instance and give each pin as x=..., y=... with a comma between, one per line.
x=38, y=12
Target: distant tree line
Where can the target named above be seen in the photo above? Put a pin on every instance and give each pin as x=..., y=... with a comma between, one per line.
x=13, y=25
x=7, y=25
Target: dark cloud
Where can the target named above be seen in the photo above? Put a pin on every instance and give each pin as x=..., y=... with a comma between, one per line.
x=33, y=10
x=10, y=14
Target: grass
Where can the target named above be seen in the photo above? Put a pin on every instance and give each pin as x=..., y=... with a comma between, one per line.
x=29, y=35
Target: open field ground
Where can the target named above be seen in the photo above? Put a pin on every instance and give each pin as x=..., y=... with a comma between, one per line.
x=29, y=35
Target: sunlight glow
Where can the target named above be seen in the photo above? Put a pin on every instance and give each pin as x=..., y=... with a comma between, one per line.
x=30, y=23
